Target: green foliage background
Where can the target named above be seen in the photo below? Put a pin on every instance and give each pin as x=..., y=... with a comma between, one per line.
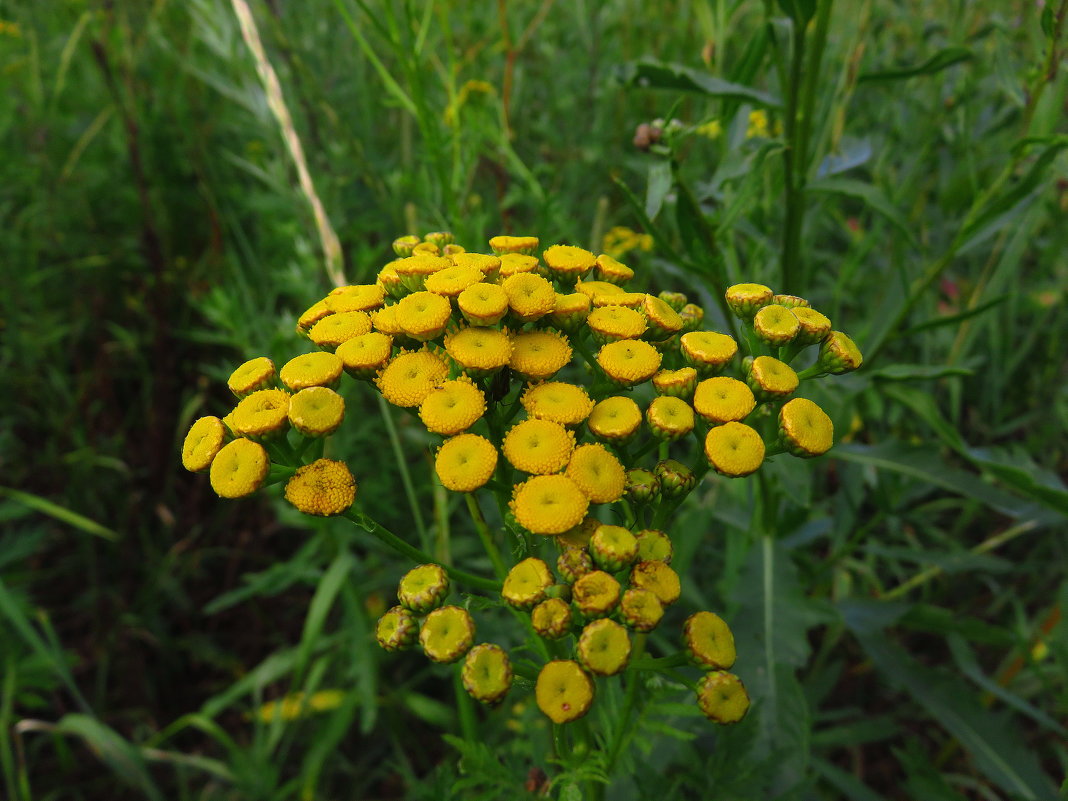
x=901, y=628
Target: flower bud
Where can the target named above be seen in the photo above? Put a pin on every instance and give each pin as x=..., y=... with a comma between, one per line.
x=654, y=545
x=692, y=316
x=551, y=618
x=708, y=641
x=675, y=300
x=595, y=594
x=839, y=354
x=439, y=238
x=487, y=673
x=613, y=548
x=676, y=479
x=745, y=299
x=814, y=326
x=423, y=588
x=447, y=634
x=397, y=629
x=669, y=418
x=642, y=486
x=526, y=583
x=403, y=245
x=573, y=564
x=722, y=697
x=790, y=301
x=676, y=383
x=641, y=609
x=604, y=647
x=579, y=536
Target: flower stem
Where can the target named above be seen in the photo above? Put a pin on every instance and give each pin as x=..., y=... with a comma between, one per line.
x=402, y=468
x=623, y=724
x=485, y=535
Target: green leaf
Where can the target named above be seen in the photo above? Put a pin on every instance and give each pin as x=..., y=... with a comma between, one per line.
x=845, y=783
x=80, y=522
x=800, y=11
x=918, y=372
x=953, y=319
x=323, y=600
x=871, y=195
x=660, y=75
x=121, y=756
x=941, y=60
x=992, y=740
x=1018, y=471
x=660, y=180
x=939, y=620
x=950, y=562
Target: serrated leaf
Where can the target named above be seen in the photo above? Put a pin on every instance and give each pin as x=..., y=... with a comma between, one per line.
x=661, y=75
x=941, y=60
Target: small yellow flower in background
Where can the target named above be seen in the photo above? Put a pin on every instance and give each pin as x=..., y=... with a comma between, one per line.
x=539, y=355
x=734, y=449
x=604, y=647
x=253, y=375
x=479, y=350
x=487, y=673
x=483, y=304
x=723, y=399
x=548, y=504
x=465, y=462
x=202, y=443
x=316, y=411
x=453, y=407
x=758, y=125
x=262, y=414
x=709, y=641
x=312, y=370
x=538, y=446
x=451, y=115
x=332, y=331
x=564, y=692
x=11, y=29
x=410, y=377
x=615, y=419
x=598, y=473
x=620, y=240
x=323, y=488
x=722, y=697
x=297, y=705
x=566, y=404
x=239, y=468
x=447, y=634
x=805, y=428
x=629, y=362
x=712, y=129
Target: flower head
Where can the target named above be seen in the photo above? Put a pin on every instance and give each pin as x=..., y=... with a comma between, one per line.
x=596, y=594
x=538, y=355
x=483, y=304
x=641, y=609
x=451, y=281
x=814, y=326
x=503, y=244
x=447, y=634
x=465, y=462
x=410, y=377
x=654, y=546
x=568, y=263
x=839, y=354
x=723, y=399
x=573, y=563
x=612, y=323
x=397, y=629
x=529, y=296
x=365, y=355
x=615, y=419
x=597, y=473
x=316, y=312
x=526, y=583
x=316, y=411
x=488, y=265
x=239, y=468
x=629, y=362
x=423, y=588
x=571, y=311
x=358, y=297
x=708, y=640
x=202, y=443
x=771, y=379
x=613, y=548
x=385, y=321
x=805, y=428
x=776, y=325
x=663, y=320
x=252, y=376
x=604, y=647
x=567, y=404
x=452, y=407
x=331, y=331
x=551, y=618
x=423, y=315
x=598, y=289
x=487, y=673
x=262, y=414
x=734, y=449
x=516, y=263
x=564, y=692
x=676, y=383
x=722, y=697
x=707, y=351
x=659, y=579
x=548, y=504
x=669, y=418
x=312, y=370
x=745, y=299
x=676, y=479
x=613, y=271
x=323, y=488
x=478, y=350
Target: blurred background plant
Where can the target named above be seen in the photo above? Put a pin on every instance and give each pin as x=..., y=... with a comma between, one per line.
x=900, y=164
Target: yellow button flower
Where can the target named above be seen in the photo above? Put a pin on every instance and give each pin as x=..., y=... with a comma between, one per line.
x=676, y=383
x=839, y=354
x=613, y=548
x=453, y=407
x=663, y=320
x=723, y=399
x=502, y=245
x=654, y=546
x=526, y=583
x=632, y=300
x=390, y=281
x=487, y=673
x=707, y=351
x=669, y=418
x=564, y=692
x=483, y=304
x=403, y=245
x=568, y=263
x=516, y=264
x=365, y=355
x=447, y=634
x=629, y=362
x=560, y=402
x=385, y=321
x=548, y=504
x=615, y=419
x=597, y=289
x=311, y=370
x=814, y=326
x=239, y=469
x=596, y=594
x=414, y=269
x=805, y=428
x=323, y=488
x=202, y=443
x=571, y=311
x=316, y=312
x=708, y=640
x=641, y=609
x=262, y=413
x=530, y=296
x=479, y=351
x=252, y=376
x=316, y=411
x=771, y=379
x=612, y=323
x=745, y=299
x=722, y=697
x=538, y=446
x=604, y=647
x=451, y=281
x=423, y=588
x=598, y=473
x=410, y=377
x=357, y=297
x=659, y=579
x=423, y=315
x=488, y=265
x=538, y=355
x=331, y=331
x=465, y=462
x=776, y=325
x=734, y=449
x=612, y=271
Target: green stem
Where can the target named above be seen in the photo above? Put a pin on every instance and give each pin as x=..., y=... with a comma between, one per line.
x=623, y=724
x=465, y=709
x=795, y=206
x=387, y=537
x=402, y=467
x=485, y=535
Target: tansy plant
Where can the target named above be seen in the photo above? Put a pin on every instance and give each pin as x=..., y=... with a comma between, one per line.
x=582, y=412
